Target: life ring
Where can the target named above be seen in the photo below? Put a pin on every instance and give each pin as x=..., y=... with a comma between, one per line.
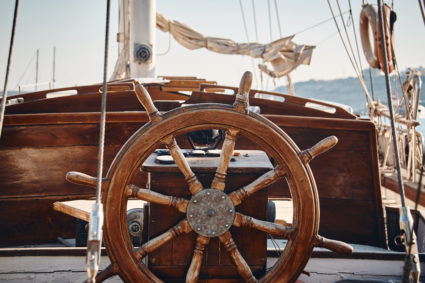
x=389, y=19
x=372, y=48
x=368, y=20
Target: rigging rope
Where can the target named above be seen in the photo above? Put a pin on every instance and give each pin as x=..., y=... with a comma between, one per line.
x=9, y=58
x=278, y=19
x=355, y=38
x=326, y=38
x=103, y=108
x=348, y=39
x=26, y=69
x=390, y=106
x=270, y=20
x=349, y=57
x=94, y=241
x=371, y=84
x=255, y=20
x=247, y=38
x=168, y=48
x=319, y=23
x=257, y=40
x=421, y=7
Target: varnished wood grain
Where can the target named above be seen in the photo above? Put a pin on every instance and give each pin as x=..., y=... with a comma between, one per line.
x=265, y=226
x=198, y=254
x=146, y=100
x=241, y=265
x=182, y=228
x=336, y=246
x=151, y=196
x=264, y=180
x=225, y=155
x=319, y=148
x=180, y=160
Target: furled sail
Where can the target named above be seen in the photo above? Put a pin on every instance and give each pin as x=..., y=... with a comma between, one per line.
x=283, y=54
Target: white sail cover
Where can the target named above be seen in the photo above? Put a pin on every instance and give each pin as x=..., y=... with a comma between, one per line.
x=283, y=54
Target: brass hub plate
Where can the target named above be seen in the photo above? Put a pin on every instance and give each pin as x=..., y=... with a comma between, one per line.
x=210, y=213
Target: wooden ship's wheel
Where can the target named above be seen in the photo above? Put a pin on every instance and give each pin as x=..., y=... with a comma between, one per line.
x=209, y=212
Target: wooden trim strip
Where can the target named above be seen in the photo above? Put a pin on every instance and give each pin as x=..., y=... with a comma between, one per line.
x=141, y=116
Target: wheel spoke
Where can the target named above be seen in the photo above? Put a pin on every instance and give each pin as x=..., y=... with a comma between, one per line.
x=239, y=261
x=261, y=182
x=265, y=226
x=198, y=254
x=177, y=154
x=181, y=228
x=225, y=156
x=151, y=196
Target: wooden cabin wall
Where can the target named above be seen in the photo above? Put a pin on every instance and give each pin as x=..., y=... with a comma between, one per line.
x=347, y=177
x=61, y=135
x=34, y=160
x=36, y=153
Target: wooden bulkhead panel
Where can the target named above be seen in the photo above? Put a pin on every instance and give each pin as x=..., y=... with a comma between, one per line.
x=36, y=151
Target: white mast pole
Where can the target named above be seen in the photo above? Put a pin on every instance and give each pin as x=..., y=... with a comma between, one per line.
x=142, y=38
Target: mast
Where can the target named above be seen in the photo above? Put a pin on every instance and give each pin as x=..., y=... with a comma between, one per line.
x=142, y=38
x=36, y=69
x=54, y=67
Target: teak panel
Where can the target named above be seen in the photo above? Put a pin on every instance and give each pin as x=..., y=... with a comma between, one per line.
x=347, y=177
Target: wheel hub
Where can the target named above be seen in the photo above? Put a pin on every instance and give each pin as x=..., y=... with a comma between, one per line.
x=210, y=213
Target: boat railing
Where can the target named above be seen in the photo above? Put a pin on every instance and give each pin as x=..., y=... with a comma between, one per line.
x=285, y=98
x=73, y=90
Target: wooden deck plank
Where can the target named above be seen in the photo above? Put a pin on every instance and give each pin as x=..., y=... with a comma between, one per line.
x=81, y=208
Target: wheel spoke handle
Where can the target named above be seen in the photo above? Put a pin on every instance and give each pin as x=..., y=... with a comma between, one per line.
x=151, y=196
x=198, y=254
x=319, y=148
x=265, y=226
x=241, y=265
x=225, y=156
x=333, y=245
x=182, y=227
x=177, y=154
x=241, y=103
x=261, y=182
x=146, y=100
x=81, y=179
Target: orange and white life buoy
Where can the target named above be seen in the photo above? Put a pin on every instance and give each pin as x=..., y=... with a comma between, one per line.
x=368, y=20
x=372, y=47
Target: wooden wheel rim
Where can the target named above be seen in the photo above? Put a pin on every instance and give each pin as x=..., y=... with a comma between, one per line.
x=263, y=132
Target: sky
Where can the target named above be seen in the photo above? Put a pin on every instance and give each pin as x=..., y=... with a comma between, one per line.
x=77, y=29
